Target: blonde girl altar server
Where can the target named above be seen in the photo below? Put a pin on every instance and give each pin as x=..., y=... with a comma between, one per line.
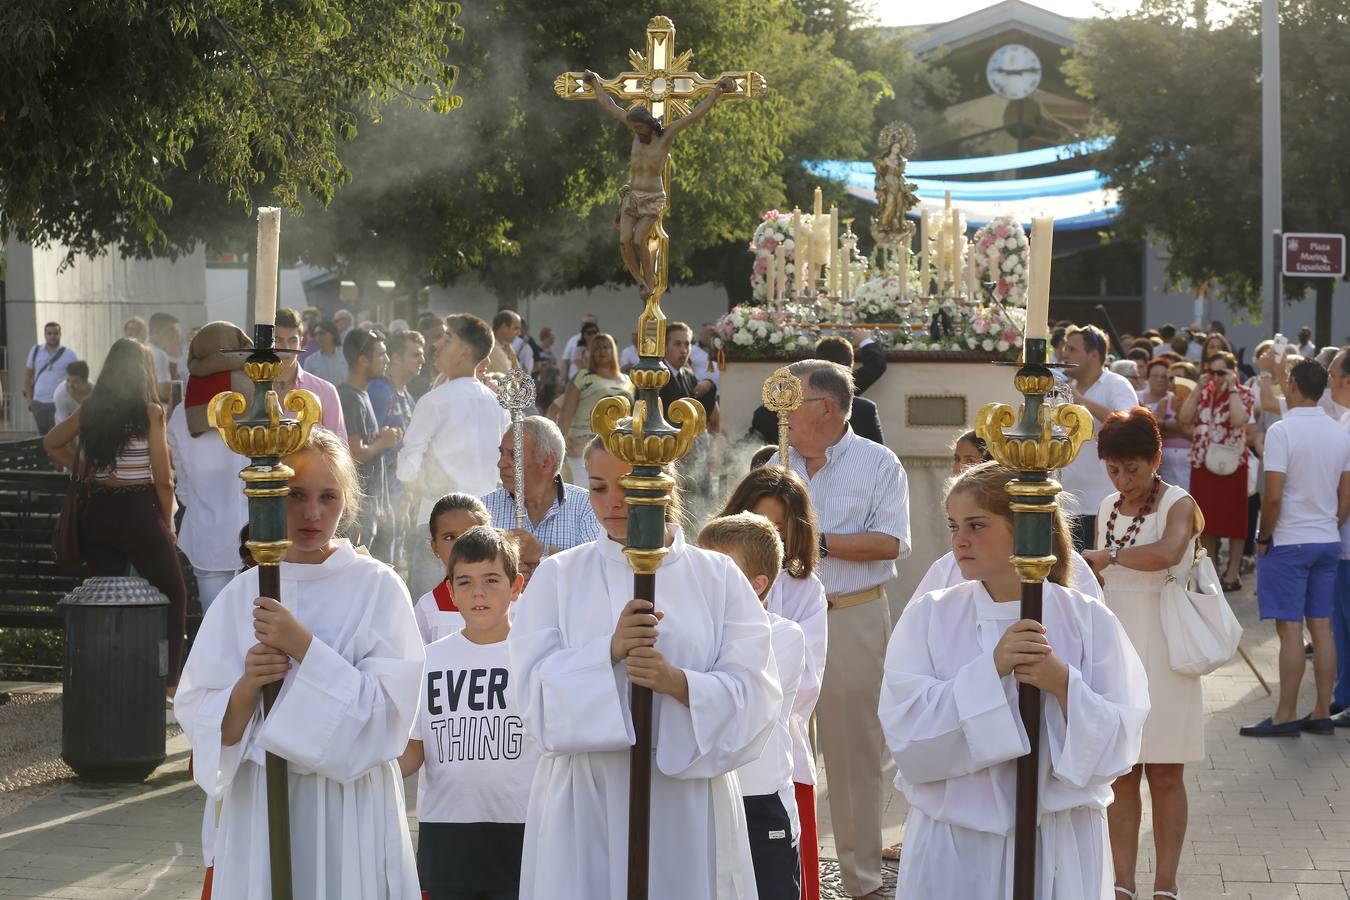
x=349, y=658
x=949, y=711
x=579, y=641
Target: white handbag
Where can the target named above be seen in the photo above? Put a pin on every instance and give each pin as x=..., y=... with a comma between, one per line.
x=1202, y=632
x=1223, y=459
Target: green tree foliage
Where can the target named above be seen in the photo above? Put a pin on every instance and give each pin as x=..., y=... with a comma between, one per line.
x=144, y=122
x=520, y=187
x=1182, y=98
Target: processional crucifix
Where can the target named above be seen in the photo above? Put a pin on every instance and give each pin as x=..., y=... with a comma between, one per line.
x=659, y=93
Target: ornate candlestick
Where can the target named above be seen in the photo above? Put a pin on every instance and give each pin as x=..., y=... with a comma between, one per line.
x=782, y=394
x=1045, y=438
x=257, y=430
x=515, y=392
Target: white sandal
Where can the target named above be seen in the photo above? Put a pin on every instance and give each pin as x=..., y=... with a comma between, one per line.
x=1133, y=895
x=1170, y=895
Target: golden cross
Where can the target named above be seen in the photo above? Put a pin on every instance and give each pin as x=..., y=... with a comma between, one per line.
x=662, y=82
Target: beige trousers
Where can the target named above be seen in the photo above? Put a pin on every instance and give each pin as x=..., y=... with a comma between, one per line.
x=851, y=738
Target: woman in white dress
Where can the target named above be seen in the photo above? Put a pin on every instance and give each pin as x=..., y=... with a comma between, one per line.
x=949, y=711
x=1145, y=533
x=580, y=640
x=349, y=658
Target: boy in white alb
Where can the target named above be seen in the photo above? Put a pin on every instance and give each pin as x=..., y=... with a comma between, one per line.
x=767, y=789
x=435, y=611
x=469, y=737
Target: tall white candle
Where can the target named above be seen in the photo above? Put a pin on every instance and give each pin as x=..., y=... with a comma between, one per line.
x=265, y=266
x=780, y=271
x=958, y=244
x=798, y=249
x=845, y=289
x=972, y=277
x=923, y=253
x=820, y=244
x=1038, y=277
x=834, y=250
x=817, y=209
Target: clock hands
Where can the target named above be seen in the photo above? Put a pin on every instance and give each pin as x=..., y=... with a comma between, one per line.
x=1033, y=69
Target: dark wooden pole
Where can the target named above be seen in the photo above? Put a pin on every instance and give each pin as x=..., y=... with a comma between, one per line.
x=278, y=780
x=1028, y=768
x=640, y=770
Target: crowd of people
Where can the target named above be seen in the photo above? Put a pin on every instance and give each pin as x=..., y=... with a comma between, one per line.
x=504, y=684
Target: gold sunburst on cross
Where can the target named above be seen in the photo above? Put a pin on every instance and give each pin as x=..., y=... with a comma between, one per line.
x=660, y=80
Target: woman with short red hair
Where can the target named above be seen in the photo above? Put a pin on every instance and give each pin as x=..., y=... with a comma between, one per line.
x=1146, y=533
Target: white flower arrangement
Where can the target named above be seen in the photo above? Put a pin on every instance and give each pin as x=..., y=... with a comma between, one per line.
x=775, y=228
x=1000, y=255
x=749, y=331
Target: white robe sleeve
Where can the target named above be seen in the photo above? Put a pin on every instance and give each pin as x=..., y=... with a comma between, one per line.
x=213, y=667
x=733, y=706
x=1108, y=703
x=574, y=697
x=813, y=619
x=341, y=719
x=939, y=729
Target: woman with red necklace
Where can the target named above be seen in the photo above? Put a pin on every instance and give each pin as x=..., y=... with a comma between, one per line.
x=1146, y=533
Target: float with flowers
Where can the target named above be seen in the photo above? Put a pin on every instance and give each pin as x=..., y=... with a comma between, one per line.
x=943, y=307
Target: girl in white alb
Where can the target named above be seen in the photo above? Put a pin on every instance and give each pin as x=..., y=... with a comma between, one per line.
x=346, y=650
x=949, y=711
x=579, y=642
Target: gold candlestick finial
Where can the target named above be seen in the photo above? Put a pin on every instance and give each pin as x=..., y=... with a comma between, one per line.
x=782, y=394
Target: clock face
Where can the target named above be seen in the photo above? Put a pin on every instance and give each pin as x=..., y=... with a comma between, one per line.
x=1014, y=71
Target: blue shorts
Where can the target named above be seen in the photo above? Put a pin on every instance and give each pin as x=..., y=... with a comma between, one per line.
x=1297, y=581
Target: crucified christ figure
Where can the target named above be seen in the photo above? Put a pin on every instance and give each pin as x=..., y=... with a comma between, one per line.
x=643, y=199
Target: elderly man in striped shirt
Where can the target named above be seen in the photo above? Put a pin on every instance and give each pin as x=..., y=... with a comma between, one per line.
x=558, y=516
x=861, y=498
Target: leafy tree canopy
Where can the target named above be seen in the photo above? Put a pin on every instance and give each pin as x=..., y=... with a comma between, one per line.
x=1181, y=96
x=520, y=187
x=140, y=122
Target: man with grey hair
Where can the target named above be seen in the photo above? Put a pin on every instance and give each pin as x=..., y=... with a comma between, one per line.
x=861, y=496
x=558, y=516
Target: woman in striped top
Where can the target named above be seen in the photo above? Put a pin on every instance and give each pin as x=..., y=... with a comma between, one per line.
x=117, y=440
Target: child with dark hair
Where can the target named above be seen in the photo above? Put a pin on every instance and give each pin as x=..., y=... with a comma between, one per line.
x=451, y=516
x=469, y=745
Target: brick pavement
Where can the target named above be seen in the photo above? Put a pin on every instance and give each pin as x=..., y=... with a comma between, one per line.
x=1270, y=819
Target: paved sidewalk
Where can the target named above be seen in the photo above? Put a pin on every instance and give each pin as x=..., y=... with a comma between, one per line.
x=1270, y=819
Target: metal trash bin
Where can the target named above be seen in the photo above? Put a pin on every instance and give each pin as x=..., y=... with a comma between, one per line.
x=116, y=667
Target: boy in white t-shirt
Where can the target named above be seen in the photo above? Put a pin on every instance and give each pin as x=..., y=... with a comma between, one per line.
x=435, y=611
x=767, y=790
x=476, y=761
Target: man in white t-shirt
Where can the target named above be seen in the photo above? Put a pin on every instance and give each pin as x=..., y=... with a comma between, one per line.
x=1306, y=348
x=1102, y=392
x=166, y=343
x=1302, y=508
x=45, y=370
x=73, y=391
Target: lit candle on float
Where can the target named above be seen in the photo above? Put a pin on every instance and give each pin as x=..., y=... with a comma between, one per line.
x=780, y=271
x=923, y=253
x=1038, y=277
x=799, y=242
x=834, y=250
x=265, y=280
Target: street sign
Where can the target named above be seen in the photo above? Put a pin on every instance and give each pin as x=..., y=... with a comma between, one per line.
x=1314, y=255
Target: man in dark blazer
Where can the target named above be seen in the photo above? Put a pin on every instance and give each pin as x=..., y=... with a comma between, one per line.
x=865, y=420
x=871, y=356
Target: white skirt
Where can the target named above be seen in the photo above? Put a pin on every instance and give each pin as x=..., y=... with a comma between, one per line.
x=1073, y=859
